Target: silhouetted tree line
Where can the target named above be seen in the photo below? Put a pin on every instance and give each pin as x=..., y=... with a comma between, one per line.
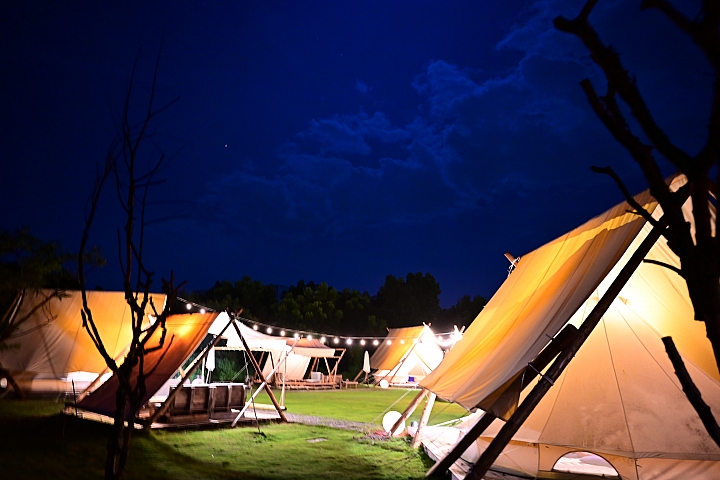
x=319, y=307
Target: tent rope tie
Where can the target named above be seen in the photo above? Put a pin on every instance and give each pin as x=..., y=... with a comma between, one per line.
x=540, y=373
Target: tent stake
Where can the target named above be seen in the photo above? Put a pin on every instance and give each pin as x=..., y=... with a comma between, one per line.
x=423, y=420
x=511, y=427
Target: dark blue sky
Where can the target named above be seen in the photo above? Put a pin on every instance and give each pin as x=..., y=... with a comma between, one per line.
x=332, y=141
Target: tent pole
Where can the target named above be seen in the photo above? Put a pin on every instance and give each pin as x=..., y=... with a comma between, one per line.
x=409, y=410
x=423, y=420
x=262, y=377
x=543, y=359
x=511, y=427
x=447, y=461
x=191, y=369
x=266, y=386
x=401, y=363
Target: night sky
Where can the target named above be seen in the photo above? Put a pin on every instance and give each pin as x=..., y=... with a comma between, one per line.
x=336, y=141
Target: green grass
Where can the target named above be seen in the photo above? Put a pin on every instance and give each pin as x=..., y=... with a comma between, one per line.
x=36, y=441
x=361, y=405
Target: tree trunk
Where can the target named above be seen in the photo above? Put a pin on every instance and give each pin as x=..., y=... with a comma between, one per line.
x=117, y=437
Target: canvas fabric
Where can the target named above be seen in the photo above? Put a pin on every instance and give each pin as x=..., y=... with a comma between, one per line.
x=184, y=334
x=53, y=344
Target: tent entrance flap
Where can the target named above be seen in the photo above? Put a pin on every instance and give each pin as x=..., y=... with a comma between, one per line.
x=184, y=334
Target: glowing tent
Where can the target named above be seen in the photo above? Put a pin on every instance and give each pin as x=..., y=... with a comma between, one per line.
x=52, y=347
x=406, y=355
x=619, y=398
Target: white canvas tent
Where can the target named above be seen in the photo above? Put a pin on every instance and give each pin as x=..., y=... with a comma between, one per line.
x=52, y=349
x=619, y=397
x=299, y=354
x=298, y=360
x=407, y=355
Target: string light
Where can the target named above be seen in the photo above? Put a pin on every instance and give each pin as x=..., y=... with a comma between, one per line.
x=452, y=337
x=445, y=340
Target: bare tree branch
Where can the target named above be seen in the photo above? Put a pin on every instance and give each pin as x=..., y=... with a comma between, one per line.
x=619, y=79
x=691, y=391
x=639, y=209
x=662, y=264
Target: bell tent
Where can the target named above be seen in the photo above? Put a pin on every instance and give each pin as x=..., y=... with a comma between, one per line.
x=406, y=356
x=619, y=398
x=51, y=349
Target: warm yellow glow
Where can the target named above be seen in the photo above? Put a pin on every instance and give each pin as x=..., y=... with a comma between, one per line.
x=362, y=342
x=402, y=342
x=337, y=340
x=297, y=336
x=389, y=342
x=309, y=337
x=269, y=330
x=282, y=333
x=349, y=341
x=375, y=342
x=188, y=306
x=202, y=310
x=255, y=327
x=322, y=339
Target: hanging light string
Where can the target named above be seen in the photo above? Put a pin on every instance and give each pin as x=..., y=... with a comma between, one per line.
x=444, y=339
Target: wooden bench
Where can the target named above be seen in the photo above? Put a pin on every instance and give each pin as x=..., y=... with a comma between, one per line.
x=207, y=402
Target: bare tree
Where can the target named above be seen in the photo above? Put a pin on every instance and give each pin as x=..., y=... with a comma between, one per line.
x=132, y=182
x=699, y=257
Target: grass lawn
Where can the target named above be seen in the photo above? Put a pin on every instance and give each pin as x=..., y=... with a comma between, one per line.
x=38, y=442
x=361, y=405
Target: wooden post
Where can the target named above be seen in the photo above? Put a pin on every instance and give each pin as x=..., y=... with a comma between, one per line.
x=446, y=462
x=262, y=377
x=511, y=427
x=423, y=420
x=191, y=369
x=543, y=359
x=265, y=385
x=408, y=411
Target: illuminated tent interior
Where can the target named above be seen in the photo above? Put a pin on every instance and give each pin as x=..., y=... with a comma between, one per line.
x=298, y=358
x=184, y=334
x=53, y=350
x=406, y=356
x=619, y=398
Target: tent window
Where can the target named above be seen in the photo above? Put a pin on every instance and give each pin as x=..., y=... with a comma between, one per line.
x=585, y=463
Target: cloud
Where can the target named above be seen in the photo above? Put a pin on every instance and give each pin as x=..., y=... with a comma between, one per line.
x=475, y=146
x=361, y=87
